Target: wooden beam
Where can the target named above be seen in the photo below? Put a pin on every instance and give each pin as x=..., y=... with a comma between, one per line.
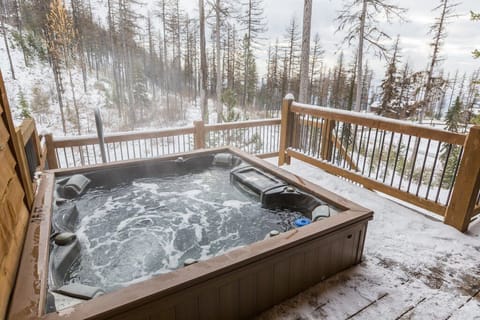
x=51, y=154
x=22, y=165
x=476, y=210
x=371, y=184
x=199, y=135
x=285, y=132
x=242, y=124
x=467, y=184
x=27, y=128
x=326, y=142
x=344, y=153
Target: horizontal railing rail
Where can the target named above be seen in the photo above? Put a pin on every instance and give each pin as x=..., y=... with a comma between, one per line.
x=410, y=162
x=258, y=137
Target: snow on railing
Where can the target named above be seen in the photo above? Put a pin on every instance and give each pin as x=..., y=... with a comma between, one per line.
x=411, y=162
x=258, y=137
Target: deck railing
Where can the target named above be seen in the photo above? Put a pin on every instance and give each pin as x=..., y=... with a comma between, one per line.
x=32, y=156
x=257, y=137
x=428, y=167
x=431, y=168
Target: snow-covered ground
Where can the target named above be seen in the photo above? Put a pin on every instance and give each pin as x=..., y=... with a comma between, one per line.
x=36, y=83
x=414, y=266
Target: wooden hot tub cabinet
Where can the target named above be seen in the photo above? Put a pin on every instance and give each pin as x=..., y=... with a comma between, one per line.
x=235, y=285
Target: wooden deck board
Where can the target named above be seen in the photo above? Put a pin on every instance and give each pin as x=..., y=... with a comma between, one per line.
x=470, y=310
x=414, y=267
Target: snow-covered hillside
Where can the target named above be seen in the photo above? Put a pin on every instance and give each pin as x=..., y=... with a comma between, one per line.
x=35, y=85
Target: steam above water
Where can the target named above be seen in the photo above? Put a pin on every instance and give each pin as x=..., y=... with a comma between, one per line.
x=150, y=226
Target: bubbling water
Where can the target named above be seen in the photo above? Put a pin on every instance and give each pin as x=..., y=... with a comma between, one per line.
x=150, y=226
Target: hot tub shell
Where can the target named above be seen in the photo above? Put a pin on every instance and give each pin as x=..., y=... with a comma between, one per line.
x=235, y=285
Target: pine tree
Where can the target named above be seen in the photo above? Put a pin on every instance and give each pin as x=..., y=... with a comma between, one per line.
x=360, y=20
x=438, y=30
x=450, y=153
x=315, y=63
x=453, y=117
x=24, y=107
x=253, y=21
x=293, y=48
x=390, y=89
x=475, y=17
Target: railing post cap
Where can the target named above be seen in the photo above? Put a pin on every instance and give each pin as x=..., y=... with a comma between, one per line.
x=289, y=96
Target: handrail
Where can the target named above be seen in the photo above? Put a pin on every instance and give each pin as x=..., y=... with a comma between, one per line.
x=428, y=167
x=76, y=141
x=241, y=124
x=256, y=136
x=378, y=122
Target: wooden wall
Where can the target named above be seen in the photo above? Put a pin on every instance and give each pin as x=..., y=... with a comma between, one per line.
x=13, y=210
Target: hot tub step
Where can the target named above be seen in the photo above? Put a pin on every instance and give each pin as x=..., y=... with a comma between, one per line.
x=80, y=291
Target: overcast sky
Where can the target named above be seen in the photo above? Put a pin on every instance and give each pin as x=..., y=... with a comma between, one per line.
x=463, y=34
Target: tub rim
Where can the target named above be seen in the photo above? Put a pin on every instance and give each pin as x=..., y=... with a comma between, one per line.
x=29, y=297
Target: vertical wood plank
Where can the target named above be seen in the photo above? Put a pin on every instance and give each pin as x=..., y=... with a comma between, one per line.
x=208, y=304
x=22, y=165
x=265, y=288
x=326, y=143
x=165, y=314
x=51, y=157
x=248, y=296
x=311, y=266
x=280, y=280
x=296, y=277
x=199, y=135
x=229, y=297
x=188, y=309
x=285, y=131
x=467, y=184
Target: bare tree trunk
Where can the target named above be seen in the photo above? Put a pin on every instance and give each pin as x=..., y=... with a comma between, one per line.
x=219, y=64
x=358, y=96
x=20, y=30
x=307, y=22
x=203, y=63
x=75, y=105
x=439, y=36
x=58, y=85
x=454, y=84
x=4, y=31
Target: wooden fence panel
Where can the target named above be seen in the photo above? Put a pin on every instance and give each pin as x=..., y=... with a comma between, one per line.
x=13, y=210
x=434, y=169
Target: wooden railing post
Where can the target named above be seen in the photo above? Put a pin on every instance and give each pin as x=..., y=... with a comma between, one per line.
x=199, y=134
x=286, y=130
x=327, y=139
x=51, y=157
x=467, y=184
x=22, y=164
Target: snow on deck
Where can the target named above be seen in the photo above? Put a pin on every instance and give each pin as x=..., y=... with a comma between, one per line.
x=414, y=266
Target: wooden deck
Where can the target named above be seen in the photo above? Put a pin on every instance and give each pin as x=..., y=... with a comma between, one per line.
x=414, y=267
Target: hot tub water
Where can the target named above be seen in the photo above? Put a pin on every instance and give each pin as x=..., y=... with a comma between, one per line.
x=149, y=226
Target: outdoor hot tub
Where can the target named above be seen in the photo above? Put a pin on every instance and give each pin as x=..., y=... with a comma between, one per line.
x=213, y=234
